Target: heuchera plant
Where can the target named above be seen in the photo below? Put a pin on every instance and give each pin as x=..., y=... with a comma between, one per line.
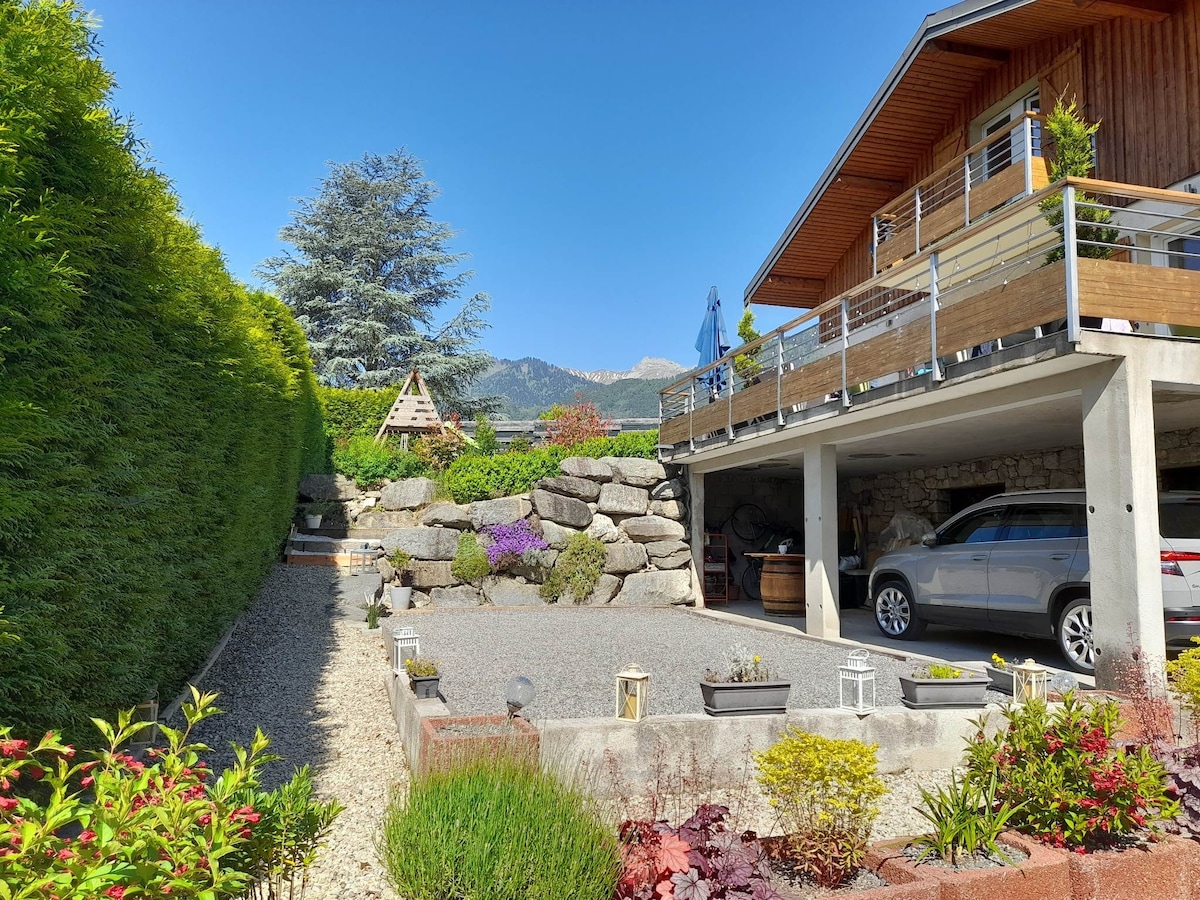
x=510, y=543
x=699, y=860
x=1183, y=773
x=1075, y=785
x=113, y=824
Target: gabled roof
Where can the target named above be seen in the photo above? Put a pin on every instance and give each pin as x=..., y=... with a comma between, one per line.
x=946, y=59
x=413, y=412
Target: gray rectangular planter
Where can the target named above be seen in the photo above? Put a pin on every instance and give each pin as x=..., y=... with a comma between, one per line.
x=1002, y=679
x=750, y=698
x=944, y=693
x=426, y=687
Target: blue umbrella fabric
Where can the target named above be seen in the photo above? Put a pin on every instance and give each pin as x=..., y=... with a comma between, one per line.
x=712, y=342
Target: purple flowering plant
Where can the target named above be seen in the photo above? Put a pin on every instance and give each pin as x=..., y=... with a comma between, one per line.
x=510, y=543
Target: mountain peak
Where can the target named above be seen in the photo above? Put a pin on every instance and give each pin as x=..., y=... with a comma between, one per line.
x=648, y=367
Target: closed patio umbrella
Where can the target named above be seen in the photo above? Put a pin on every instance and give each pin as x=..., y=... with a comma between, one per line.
x=712, y=342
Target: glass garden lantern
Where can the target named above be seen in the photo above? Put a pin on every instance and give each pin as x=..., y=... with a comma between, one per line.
x=518, y=694
x=857, y=678
x=1029, y=682
x=633, y=689
x=406, y=645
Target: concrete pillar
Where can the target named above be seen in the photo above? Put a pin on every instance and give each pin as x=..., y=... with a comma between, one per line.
x=1120, y=473
x=821, y=541
x=695, y=481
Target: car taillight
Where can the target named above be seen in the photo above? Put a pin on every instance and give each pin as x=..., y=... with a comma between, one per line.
x=1172, y=558
x=1188, y=620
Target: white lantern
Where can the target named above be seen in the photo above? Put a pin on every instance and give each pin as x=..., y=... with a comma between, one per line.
x=1029, y=682
x=633, y=689
x=406, y=644
x=858, y=677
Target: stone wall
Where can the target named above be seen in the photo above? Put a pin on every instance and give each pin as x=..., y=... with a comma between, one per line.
x=631, y=505
x=926, y=490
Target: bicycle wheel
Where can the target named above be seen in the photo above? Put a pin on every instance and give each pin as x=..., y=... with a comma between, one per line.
x=748, y=522
x=752, y=582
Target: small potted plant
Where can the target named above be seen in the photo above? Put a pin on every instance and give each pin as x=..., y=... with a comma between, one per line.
x=745, y=687
x=942, y=686
x=402, y=581
x=423, y=677
x=315, y=512
x=1001, y=674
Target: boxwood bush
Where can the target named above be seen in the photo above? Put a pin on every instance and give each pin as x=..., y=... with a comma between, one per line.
x=154, y=414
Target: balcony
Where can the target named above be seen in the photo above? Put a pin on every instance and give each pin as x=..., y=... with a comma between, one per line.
x=1007, y=277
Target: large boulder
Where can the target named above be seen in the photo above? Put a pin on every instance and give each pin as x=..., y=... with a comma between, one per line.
x=463, y=595
x=657, y=550
x=386, y=570
x=668, y=509
x=603, y=529
x=327, y=487
x=585, y=467
x=556, y=535
x=563, y=510
x=432, y=574
x=510, y=592
x=644, y=529
x=623, y=500
x=655, y=589
x=408, y=493
x=623, y=558
x=606, y=588
x=571, y=486
x=448, y=515
x=423, y=543
x=676, y=560
x=536, y=564
x=389, y=520
x=499, y=512
x=638, y=472
x=669, y=490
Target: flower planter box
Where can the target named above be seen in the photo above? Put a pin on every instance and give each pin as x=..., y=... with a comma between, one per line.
x=425, y=686
x=1168, y=870
x=943, y=693
x=904, y=884
x=1043, y=876
x=1002, y=679
x=447, y=741
x=750, y=698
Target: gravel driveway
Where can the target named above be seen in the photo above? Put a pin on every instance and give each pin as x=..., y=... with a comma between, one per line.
x=573, y=653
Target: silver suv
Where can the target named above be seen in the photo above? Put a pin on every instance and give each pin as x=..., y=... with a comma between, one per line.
x=1018, y=563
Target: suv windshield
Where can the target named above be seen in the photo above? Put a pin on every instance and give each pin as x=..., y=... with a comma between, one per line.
x=1180, y=519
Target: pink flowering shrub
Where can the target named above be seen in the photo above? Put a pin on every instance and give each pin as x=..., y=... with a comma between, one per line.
x=1070, y=783
x=114, y=825
x=510, y=543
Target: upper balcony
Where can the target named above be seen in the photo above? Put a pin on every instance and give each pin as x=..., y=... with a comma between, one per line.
x=989, y=280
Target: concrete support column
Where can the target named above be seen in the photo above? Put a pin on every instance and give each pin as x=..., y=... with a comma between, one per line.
x=695, y=482
x=821, y=541
x=1121, y=476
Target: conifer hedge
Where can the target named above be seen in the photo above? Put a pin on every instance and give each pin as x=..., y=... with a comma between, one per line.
x=154, y=414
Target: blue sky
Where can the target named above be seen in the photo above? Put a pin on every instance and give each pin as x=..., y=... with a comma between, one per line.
x=603, y=163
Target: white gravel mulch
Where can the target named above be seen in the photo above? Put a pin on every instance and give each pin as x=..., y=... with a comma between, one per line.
x=301, y=666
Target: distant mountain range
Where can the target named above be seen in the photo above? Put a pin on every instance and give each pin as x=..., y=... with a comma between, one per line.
x=530, y=386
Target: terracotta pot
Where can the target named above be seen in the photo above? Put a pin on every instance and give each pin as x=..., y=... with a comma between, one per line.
x=905, y=884
x=1168, y=870
x=1045, y=874
x=448, y=740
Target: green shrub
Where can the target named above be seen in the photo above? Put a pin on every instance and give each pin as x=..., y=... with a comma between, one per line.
x=1184, y=675
x=438, y=451
x=825, y=791
x=485, y=477
x=486, y=443
x=643, y=444
x=470, y=561
x=154, y=414
x=576, y=571
x=369, y=462
x=352, y=411
x=1070, y=783
x=501, y=830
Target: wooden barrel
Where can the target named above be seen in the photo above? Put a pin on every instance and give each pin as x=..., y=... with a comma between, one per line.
x=782, y=585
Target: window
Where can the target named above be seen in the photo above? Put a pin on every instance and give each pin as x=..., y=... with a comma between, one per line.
x=977, y=529
x=1184, y=253
x=961, y=498
x=1010, y=147
x=1042, y=523
x=1182, y=478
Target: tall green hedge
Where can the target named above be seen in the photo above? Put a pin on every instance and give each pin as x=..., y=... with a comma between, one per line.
x=154, y=415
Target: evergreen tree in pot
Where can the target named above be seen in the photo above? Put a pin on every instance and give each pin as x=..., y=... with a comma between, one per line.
x=402, y=581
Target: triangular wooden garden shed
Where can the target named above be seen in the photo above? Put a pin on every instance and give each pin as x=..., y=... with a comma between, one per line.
x=413, y=412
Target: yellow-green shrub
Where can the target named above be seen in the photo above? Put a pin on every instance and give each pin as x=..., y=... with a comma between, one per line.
x=470, y=561
x=825, y=792
x=576, y=571
x=1184, y=675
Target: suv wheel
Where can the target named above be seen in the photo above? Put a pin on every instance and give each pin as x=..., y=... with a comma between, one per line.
x=896, y=613
x=1075, y=635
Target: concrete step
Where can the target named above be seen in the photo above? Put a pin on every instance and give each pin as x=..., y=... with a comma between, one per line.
x=341, y=559
x=320, y=544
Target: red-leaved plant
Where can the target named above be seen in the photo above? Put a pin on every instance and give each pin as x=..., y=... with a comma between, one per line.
x=699, y=860
x=568, y=425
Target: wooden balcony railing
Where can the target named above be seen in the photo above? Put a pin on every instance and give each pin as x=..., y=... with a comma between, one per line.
x=1007, y=278
x=1004, y=165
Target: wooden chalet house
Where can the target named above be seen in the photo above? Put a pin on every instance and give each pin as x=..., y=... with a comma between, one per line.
x=941, y=314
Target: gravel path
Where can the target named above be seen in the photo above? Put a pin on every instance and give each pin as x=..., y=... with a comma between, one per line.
x=573, y=653
x=302, y=667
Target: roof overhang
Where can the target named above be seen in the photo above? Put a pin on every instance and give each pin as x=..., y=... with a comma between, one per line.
x=949, y=54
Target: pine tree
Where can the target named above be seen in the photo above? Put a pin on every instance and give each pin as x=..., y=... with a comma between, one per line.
x=370, y=274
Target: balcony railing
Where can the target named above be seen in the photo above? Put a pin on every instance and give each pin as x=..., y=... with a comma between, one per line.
x=1004, y=165
x=1008, y=278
